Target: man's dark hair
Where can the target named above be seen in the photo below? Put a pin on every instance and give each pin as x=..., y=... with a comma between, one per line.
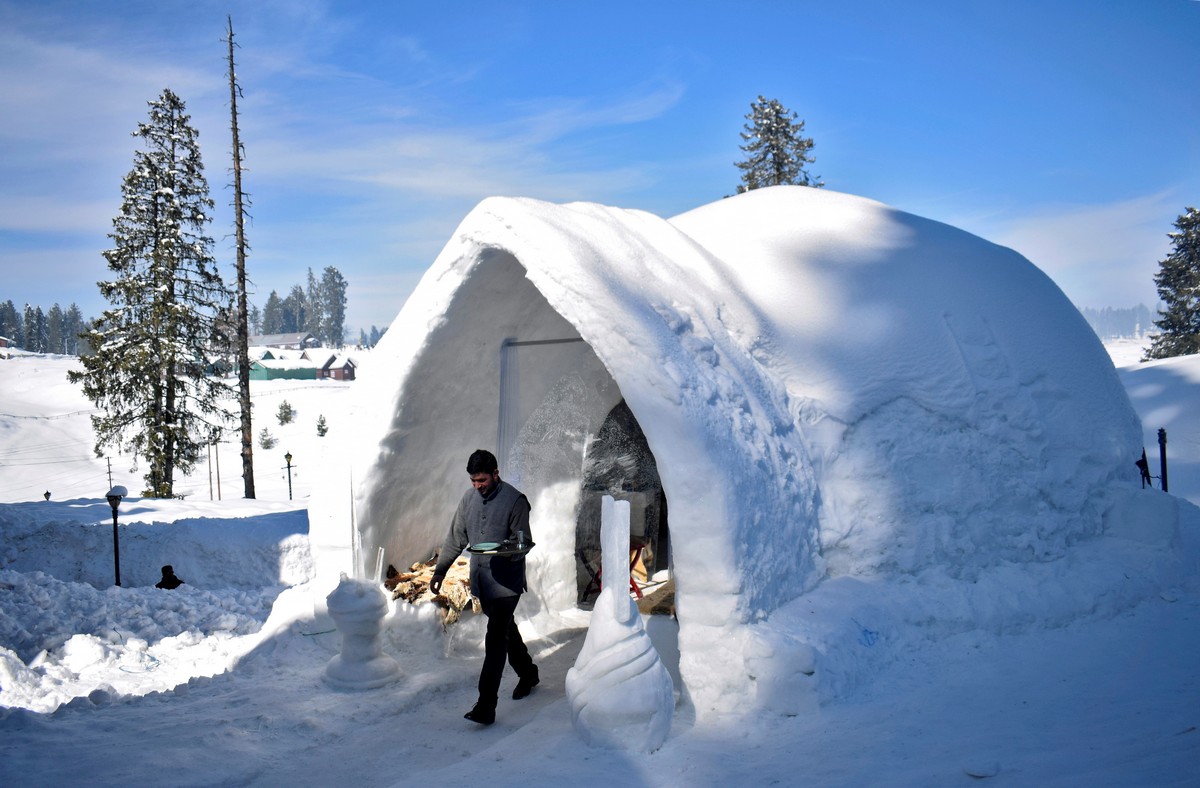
x=482, y=461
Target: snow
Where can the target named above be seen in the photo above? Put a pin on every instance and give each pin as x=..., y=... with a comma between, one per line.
x=1073, y=669
x=830, y=388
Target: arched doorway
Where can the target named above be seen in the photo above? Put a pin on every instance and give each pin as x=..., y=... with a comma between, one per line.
x=618, y=462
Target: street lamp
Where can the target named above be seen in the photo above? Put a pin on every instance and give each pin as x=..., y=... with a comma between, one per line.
x=288, y=457
x=114, y=497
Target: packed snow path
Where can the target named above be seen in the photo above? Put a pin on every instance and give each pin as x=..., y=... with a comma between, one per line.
x=1113, y=702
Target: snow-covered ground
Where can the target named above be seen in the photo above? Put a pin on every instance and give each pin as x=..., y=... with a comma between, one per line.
x=220, y=682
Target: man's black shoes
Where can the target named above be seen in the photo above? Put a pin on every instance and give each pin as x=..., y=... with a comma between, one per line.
x=525, y=685
x=484, y=715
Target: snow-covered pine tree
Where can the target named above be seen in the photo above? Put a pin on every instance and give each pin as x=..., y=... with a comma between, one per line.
x=776, y=148
x=1178, y=281
x=147, y=374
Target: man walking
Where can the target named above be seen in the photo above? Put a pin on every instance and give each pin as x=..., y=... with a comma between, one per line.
x=494, y=511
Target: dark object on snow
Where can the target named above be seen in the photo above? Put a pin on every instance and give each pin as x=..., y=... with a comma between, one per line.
x=1144, y=466
x=169, y=580
x=1162, y=456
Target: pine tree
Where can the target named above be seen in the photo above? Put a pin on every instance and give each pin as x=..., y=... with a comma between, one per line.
x=36, y=330
x=314, y=316
x=333, y=307
x=54, y=331
x=73, y=326
x=272, y=315
x=254, y=320
x=43, y=331
x=295, y=311
x=147, y=373
x=1178, y=281
x=29, y=323
x=10, y=322
x=776, y=147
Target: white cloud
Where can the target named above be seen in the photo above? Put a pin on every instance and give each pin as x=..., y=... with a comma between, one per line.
x=1100, y=255
x=63, y=101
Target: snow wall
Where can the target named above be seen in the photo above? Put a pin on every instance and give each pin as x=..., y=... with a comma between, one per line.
x=829, y=387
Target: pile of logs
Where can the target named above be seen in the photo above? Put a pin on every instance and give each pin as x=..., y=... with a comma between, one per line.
x=413, y=587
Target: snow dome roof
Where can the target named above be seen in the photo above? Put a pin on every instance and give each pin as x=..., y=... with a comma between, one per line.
x=828, y=386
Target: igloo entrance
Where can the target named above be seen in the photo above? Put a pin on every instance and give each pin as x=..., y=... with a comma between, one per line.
x=618, y=462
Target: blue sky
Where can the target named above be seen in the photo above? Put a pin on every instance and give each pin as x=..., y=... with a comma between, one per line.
x=1068, y=130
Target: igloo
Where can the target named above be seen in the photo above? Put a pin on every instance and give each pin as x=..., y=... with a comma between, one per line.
x=790, y=385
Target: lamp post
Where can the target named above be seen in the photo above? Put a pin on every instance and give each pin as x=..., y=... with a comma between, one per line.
x=114, y=497
x=1162, y=455
x=288, y=457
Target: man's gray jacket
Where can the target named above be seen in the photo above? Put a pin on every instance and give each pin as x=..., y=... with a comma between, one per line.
x=492, y=519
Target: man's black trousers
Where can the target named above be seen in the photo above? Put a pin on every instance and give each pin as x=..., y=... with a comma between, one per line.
x=502, y=642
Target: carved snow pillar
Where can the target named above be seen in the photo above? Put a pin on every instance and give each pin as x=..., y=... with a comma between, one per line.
x=620, y=692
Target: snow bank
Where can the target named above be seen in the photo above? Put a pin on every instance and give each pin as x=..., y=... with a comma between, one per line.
x=1154, y=388
x=66, y=631
x=73, y=541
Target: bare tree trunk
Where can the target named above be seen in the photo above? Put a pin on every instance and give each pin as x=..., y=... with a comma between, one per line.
x=243, y=332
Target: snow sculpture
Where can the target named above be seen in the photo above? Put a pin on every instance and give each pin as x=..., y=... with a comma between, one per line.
x=830, y=388
x=620, y=692
x=357, y=607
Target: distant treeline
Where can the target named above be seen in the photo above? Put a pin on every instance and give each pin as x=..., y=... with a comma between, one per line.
x=56, y=331
x=319, y=309
x=1109, y=323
